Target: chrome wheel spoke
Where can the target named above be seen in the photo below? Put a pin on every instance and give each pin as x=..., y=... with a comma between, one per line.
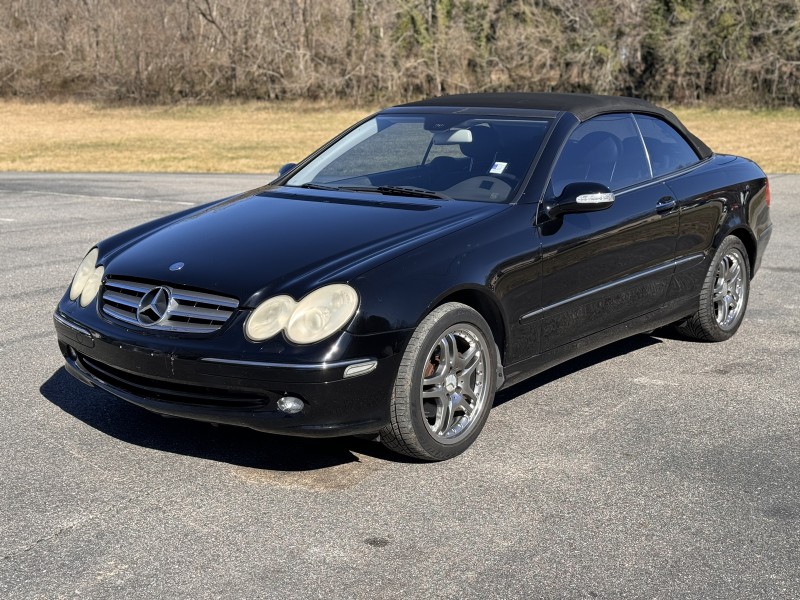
x=441, y=404
x=719, y=286
x=461, y=403
x=723, y=269
x=455, y=416
x=722, y=314
x=444, y=417
x=467, y=391
x=720, y=281
x=449, y=344
x=437, y=393
x=437, y=378
x=734, y=273
x=471, y=364
x=464, y=359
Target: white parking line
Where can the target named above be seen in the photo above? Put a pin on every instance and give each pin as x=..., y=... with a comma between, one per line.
x=120, y=198
x=7, y=220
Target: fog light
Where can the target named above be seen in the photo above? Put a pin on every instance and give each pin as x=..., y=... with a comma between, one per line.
x=290, y=405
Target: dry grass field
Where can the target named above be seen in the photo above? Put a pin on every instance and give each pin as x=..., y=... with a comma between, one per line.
x=769, y=137
x=233, y=138
x=259, y=137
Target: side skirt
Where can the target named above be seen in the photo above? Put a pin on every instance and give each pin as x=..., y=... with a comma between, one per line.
x=669, y=313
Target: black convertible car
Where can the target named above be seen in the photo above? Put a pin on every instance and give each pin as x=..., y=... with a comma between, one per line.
x=429, y=256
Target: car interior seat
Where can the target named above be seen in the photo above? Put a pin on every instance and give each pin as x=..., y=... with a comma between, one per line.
x=592, y=158
x=482, y=150
x=600, y=152
x=632, y=165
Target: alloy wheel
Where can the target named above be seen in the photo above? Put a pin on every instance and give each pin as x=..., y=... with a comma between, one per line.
x=454, y=390
x=729, y=288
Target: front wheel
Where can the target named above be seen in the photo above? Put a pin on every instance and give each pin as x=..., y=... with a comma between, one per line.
x=723, y=299
x=444, y=387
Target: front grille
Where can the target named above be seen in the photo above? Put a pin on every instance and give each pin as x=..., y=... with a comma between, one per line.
x=170, y=391
x=188, y=311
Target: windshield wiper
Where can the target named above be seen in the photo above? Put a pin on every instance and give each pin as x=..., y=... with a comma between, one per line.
x=319, y=186
x=396, y=190
x=386, y=190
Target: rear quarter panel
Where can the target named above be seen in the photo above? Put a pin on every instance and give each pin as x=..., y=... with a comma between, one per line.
x=727, y=194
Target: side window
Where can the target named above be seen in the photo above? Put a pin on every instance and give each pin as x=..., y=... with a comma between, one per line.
x=666, y=147
x=607, y=150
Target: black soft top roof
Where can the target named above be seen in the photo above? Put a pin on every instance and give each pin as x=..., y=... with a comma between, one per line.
x=583, y=106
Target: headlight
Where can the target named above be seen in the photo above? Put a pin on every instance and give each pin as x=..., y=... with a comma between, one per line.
x=82, y=275
x=321, y=313
x=92, y=286
x=315, y=317
x=269, y=318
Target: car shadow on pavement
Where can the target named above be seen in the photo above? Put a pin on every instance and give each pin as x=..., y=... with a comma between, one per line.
x=234, y=445
x=253, y=449
x=576, y=364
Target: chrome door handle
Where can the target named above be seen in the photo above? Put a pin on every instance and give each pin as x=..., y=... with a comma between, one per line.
x=666, y=203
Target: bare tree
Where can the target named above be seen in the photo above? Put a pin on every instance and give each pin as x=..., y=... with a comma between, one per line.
x=737, y=51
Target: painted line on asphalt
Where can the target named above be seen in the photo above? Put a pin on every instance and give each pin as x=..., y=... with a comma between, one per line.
x=91, y=197
x=7, y=220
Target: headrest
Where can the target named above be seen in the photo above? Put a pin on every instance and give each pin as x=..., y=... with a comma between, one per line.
x=600, y=147
x=452, y=136
x=484, y=143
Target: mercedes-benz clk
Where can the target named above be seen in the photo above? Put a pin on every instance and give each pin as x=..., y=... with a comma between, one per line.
x=434, y=253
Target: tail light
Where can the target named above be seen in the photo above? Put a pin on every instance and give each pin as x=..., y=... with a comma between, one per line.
x=767, y=195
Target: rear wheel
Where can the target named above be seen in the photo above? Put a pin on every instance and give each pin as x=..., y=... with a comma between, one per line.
x=723, y=299
x=444, y=387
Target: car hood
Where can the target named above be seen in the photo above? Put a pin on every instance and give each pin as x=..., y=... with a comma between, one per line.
x=286, y=242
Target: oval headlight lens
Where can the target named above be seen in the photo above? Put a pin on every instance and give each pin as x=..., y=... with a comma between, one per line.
x=269, y=318
x=92, y=286
x=82, y=275
x=321, y=313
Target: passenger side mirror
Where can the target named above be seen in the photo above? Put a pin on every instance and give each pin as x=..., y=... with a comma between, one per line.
x=580, y=197
x=286, y=168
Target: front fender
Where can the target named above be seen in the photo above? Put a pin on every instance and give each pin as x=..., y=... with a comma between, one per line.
x=470, y=265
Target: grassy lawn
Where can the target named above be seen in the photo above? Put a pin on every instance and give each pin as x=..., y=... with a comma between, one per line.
x=234, y=138
x=769, y=137
x=259, y=137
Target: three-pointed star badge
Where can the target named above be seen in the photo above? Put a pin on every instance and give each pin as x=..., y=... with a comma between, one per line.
x=153, y=306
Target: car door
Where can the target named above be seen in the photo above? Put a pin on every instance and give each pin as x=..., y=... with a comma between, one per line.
x=602, y=268
x=700, y=200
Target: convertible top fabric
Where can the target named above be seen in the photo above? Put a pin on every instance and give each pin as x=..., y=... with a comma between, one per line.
x=583, y=106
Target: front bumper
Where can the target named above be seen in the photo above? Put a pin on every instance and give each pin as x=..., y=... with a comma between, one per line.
x=237, y=391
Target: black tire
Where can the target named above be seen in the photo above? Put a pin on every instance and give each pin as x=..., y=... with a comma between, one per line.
x=722, y=302
x=420, y=426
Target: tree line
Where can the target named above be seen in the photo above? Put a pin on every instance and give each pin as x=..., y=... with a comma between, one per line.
x=745, y=52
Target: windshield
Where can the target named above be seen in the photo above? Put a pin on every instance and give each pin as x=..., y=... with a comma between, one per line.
x=462, y=157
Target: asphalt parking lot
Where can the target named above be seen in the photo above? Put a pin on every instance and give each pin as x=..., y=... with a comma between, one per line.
x=653, y=468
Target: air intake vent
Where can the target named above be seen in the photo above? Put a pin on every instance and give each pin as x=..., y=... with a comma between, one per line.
x=165, y=308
